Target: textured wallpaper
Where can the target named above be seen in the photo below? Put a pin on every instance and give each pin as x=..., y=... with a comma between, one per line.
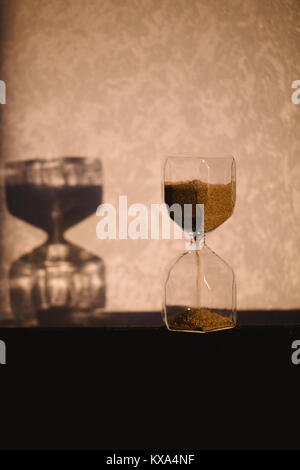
x=132, y=81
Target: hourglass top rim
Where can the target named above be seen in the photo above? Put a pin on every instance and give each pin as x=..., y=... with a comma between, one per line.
x=64, y=171
x=229, y=158
x=47, y=161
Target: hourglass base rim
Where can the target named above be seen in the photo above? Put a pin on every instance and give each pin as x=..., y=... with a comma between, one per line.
x=59, y=317
x=201, y=331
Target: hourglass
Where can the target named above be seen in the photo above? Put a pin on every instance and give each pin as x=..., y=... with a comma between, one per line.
x=200, y=290
x=57, y=283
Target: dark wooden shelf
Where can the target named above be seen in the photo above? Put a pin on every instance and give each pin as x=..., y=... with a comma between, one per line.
x=153, y=319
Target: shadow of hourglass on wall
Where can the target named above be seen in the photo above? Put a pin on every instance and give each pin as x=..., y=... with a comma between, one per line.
x=58, y=283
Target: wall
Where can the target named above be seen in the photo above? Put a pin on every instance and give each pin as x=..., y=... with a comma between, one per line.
x=133, y=81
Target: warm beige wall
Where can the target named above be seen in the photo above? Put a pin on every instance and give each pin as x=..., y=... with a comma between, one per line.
x=132, y=81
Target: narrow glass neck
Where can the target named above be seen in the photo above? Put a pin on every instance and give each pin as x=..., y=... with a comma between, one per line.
x=55, y=236
x=55, y=231
x=196, y=240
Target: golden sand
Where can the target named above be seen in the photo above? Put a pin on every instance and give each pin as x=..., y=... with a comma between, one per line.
x=199, y=319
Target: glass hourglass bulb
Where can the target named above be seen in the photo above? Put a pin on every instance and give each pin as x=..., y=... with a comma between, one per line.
x=200, y=289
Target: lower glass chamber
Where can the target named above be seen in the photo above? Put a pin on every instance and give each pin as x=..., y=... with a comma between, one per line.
x=200, y=293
